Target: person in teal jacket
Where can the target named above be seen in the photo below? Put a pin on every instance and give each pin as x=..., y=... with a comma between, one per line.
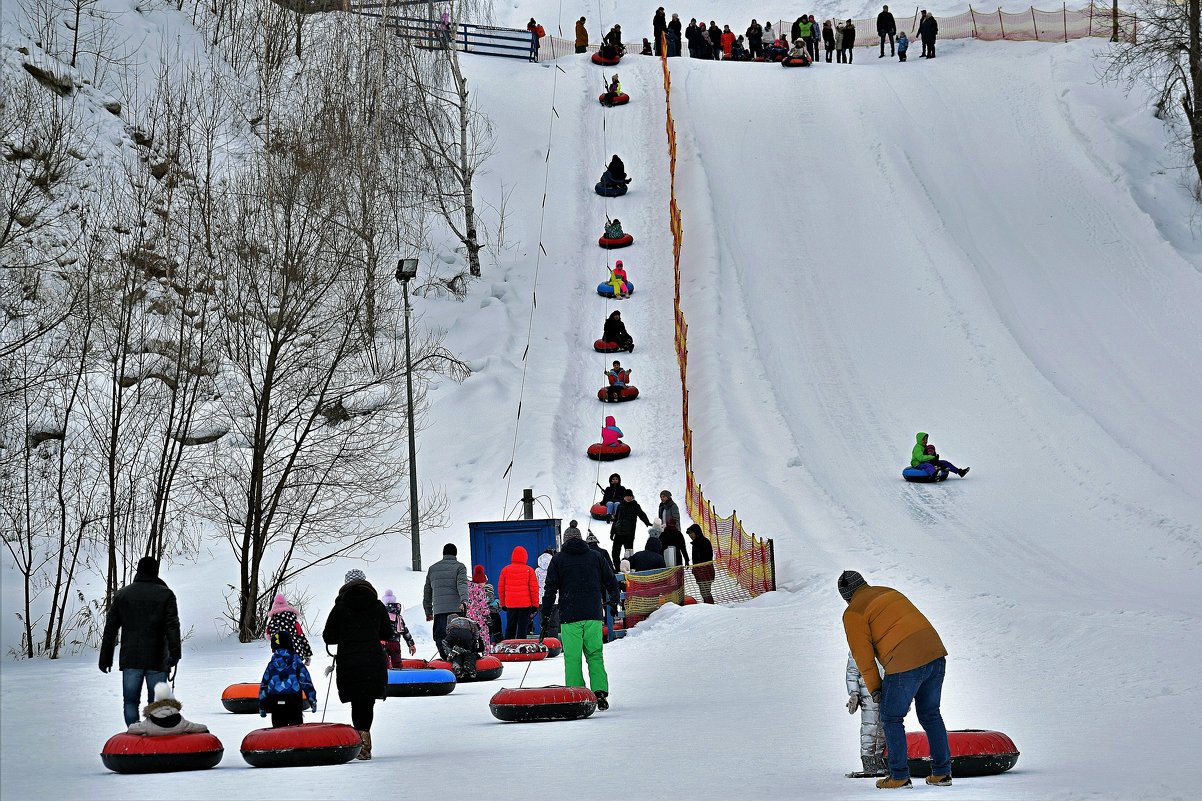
x=924, y=455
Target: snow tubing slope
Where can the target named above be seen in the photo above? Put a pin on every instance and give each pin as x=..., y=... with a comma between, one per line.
x=610, y=191
x=918, y=476
x=606, y=290
x=520, y=651
x=624, y=394
x=133, y=753
x=534, y=704
x=419, y=682
x=975, y=752
x=488, y=668
x=608, y=453
x=301, y=746
x=605, y=62
x=553, y=645
x=621, y=100
x=619, y=242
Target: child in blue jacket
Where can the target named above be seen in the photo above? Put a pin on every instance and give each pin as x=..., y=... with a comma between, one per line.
x=286, y=687
x=903, y=44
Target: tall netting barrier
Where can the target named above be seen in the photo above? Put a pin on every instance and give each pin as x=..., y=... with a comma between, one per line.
x=744, y=564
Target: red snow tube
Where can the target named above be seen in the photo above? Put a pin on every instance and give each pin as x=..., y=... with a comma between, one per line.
x=301, y=746
x=554, y=646
x=689, y=600
x=621, y=100
x=624, y=394
x=599, y=511
x=612, y=244
x=414, y=664
x=241, y=699
x=975, y=752
x=608, y=453
x=487, y=668
x=795, y=61
x=531, y=704
x=133, y=753
x=521, y=651
x=605, y=62
x=601, y=346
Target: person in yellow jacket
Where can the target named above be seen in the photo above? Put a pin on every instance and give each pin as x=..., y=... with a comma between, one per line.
x=581, y=36
x=883, y=625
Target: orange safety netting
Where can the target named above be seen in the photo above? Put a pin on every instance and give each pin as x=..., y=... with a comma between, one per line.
x=730, y=579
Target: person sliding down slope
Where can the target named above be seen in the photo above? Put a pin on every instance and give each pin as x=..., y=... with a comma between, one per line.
x=619, y=379
x=619, y=281
x=926, y=458
x=615, y=331
x=613, y=229
x=611, y=94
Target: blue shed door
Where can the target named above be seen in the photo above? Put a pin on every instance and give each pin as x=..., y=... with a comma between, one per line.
x=493, y=542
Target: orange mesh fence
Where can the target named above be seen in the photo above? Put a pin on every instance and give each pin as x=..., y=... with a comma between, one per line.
x=733, y=578
x=743, y=565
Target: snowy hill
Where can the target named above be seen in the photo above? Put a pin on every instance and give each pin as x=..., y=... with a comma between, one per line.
x=985, y=247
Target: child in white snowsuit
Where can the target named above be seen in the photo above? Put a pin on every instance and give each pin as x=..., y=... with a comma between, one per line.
x=162, y=716
x=872, y=736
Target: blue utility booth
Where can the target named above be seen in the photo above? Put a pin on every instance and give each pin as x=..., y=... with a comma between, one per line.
x=493, y=542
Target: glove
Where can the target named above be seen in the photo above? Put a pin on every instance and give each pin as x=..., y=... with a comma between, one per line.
x=105, y=668
x=853, y=703
x=313, y=706
x=329, y=669
x=412, y=650
x=876, y=696
x=308, y=661
x=429, y=618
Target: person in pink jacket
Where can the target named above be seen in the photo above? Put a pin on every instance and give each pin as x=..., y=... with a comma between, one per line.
x=611, y=435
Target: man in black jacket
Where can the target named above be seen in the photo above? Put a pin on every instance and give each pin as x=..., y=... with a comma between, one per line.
x=583, y=581
x=928, y=29
x=146, y=614
x=886, y=26
x=650, y=558
x=622, y=531
x=755, y=38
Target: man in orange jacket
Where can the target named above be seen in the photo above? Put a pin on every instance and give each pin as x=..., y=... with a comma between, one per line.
x=881, y=624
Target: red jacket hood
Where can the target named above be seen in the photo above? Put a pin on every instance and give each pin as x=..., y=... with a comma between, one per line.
x=519, y=556
x=609, y=421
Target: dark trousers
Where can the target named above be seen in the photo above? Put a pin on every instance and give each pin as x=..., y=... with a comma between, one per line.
x=883, y=36
x=285, y=710
x=928, y=49
x=850, y=51
x=440, y=632
x=812, y=46
x=901, y=55
x=517, y=623
x=392, y=649
x=659, y=49
x=830, y=49
x=619, y=544
x=717, y=51
x=363, y=712
x=755, y=47
x=841, y=56
x=581, y=48
x=613, y=391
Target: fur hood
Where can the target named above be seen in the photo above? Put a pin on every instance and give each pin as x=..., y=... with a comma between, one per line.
x=162, y=716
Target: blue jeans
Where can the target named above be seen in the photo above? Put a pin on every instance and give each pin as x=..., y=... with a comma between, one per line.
x=132, y=680
x=922, y=685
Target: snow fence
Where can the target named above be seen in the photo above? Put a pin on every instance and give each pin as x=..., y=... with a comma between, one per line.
x=744, y=565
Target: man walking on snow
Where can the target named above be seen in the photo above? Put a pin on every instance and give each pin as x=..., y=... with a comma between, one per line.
x=881, y=624
x=582, y=578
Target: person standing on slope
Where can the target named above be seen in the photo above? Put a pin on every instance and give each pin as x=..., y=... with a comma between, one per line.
x=883, y=625
x=703, y=562
x=392, y=646
x=581, y=36
x=903, y=44
x=659, y=30
x=147, y=616
x=849, y=41
x=445, y=593
x=357, y=624
x=886, y=26
x=920, y=456
x=872, y=738
x=623, y=528
x=674, y=37
x=755, y=39
x=828, y=39
x=582, y=580
x=518, y=590
x=651, y=557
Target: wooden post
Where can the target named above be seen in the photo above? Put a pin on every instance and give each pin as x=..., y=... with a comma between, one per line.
x=1064, y=10
x=1114, y=21
x=973, y=15
x=1034, y=24
x=1089, y=32
x=999, y=21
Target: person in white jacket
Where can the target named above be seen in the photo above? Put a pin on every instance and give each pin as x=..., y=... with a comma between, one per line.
x=549, y=627
x=872, y=736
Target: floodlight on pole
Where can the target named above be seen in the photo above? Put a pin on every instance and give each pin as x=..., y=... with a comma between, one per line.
x=406, y=270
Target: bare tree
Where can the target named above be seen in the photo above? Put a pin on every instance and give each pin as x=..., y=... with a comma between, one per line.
x=1167, y=55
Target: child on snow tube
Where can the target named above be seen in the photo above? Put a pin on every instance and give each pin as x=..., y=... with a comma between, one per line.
x=923, y=457
x=615, y=331
x=611, y=92
x=613, y=229
x=619, y=281
x=619, y=379
x=162, y=716
x=611, y=435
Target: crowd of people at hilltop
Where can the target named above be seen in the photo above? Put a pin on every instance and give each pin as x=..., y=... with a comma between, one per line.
x=834, y=38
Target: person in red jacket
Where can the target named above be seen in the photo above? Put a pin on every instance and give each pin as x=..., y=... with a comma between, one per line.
x=517, y=590
x=728, y=41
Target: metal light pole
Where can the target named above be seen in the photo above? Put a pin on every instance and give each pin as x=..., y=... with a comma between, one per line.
x=406, y=269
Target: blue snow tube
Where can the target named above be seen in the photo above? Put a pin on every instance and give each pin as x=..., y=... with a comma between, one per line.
x=610, y=190
x=419, y=682
x=924, y=474
x=606, y=290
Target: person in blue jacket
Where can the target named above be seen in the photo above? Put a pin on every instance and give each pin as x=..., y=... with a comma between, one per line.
x=286, y=687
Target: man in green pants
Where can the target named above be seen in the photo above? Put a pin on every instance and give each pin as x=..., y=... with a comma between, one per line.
x=583, y=579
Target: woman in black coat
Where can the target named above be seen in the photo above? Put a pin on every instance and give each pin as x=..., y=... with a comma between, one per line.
x=615, y=331
x=617, y=170
x=357, y=624
x=703, y=558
